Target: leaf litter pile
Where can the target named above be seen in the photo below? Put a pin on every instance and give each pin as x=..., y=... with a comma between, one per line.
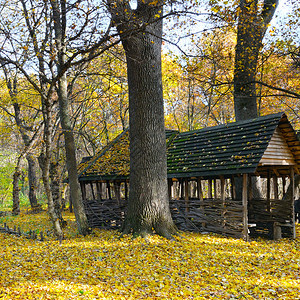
x=103, y=266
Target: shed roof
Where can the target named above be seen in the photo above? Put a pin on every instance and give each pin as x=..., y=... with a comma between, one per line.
x=235, y=148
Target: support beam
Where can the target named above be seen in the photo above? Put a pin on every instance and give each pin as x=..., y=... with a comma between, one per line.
x=223, y=201
x=170, y=186
x=210, y=188
x=200, y=196
x=108, y=189
x=92, y=189
x=292, y=201
x=275, y=187
x=99, y=190
x=269, y=192
x=233, y=190
x=245, y=208
x=186, y=194
x=117, y=190
x=126, y=191
x=83, y=191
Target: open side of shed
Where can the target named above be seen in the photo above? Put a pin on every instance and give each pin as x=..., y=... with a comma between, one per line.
x=212, y=173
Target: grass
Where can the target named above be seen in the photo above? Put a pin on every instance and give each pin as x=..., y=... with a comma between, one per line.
x=102, y=266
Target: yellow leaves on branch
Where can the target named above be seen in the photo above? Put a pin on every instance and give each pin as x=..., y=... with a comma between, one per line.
x=102, y=266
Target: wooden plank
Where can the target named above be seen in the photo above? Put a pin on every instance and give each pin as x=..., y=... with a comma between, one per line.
x=280, y=162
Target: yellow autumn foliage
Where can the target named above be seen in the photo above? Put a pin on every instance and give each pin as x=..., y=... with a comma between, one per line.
x=103, y=266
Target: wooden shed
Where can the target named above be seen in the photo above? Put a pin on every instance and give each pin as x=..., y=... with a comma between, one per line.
x=213, y=175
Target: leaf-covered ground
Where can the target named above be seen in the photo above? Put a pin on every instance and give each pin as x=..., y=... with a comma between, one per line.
x=102, y=266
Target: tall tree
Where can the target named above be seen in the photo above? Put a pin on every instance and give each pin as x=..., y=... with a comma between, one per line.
x=148, y=206
x=252, y=26
x=26, y=130
x=59, y=11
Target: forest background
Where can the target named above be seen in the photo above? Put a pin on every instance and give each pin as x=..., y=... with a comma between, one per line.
x=197, y=66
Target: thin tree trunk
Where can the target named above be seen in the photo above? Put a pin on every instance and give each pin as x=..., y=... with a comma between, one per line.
x=59, y=11
x=70, y=147
x=16, y=192
x=32, y=180
x=55, y=186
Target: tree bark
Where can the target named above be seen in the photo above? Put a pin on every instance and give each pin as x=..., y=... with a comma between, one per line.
x=252, y=26
x=32, y=181
x=55, y=186
x=148, y=205
x=16, y=193
x=12, y=85
x=59, y=17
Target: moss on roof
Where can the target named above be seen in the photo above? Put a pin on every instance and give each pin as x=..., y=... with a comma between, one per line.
x=234, y=148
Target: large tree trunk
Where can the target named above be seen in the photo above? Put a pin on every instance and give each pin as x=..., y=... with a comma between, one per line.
x=59, y=17
x=148, y=206
x=252, y=26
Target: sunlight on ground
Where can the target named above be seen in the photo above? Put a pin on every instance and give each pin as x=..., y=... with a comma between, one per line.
x=102, y=266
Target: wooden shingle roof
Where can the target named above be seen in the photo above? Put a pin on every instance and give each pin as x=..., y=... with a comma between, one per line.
x=235, y=148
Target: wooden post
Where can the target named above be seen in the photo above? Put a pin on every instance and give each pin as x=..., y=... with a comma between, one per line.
x=275, y=187
x=126, y=191
x=186, y=194
x=245, y=209
x=117, y=192
x=292, y=182
x=170, y=185
x=250, y=189
x=269, y=192
x=99, y=190
x=283, y=185
x=200, y=196
x=181, y=189
x=233, y=190
x=92, y=189
x=177, y=190
x=108, y=189
x=83, y=191
x=215, y=189
x=223, y=200
x=210, y=189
